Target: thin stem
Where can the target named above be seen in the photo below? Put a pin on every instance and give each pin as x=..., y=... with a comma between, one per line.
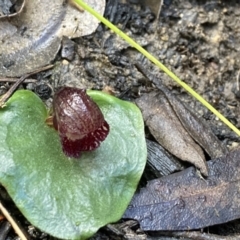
x=13, y=80
x=13, y=88
x=12, y=222
x=157, y=63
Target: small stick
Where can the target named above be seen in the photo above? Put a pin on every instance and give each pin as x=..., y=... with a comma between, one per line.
x=13, y=80
x=12, y=222
x=13, y=88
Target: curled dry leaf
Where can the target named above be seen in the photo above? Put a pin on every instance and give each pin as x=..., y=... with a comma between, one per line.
x=168, y=130
x=79, y=121
x=184, y=201
x=197, y=128
x=29, y=41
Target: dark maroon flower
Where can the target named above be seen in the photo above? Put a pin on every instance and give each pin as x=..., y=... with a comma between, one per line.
x=79, y=121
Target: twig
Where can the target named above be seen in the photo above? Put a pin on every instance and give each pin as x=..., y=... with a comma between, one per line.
x=9, y=93
x=13, y=80
x=13, y=223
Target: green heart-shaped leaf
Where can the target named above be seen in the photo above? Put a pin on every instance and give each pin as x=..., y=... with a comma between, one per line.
x=65, y=197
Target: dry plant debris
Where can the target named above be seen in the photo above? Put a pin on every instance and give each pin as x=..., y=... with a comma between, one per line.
x=184, y=201
x=29, y=40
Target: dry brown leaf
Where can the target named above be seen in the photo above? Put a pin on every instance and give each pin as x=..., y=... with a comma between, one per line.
x=32, y=39
x=168, y=130
x=184, y=201
x=197, y=128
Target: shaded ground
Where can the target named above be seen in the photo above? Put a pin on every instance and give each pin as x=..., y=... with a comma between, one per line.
x=198, y=40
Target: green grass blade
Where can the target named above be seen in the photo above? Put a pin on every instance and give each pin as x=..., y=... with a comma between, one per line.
x=158, y=63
